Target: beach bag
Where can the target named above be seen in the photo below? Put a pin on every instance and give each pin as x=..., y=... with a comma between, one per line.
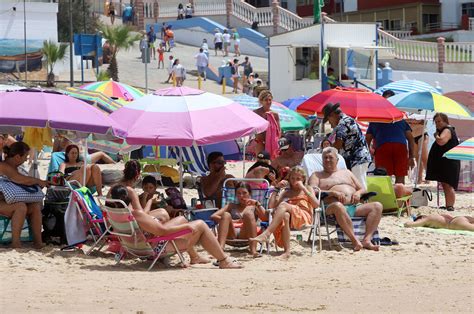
x=420, y=197
x=14, y=193
x=53, y=222
x=56, y=178
x=175, y=199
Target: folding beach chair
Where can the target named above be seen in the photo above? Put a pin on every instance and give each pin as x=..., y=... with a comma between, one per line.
x=121, y=222
x=261, y=195
x=382, y=185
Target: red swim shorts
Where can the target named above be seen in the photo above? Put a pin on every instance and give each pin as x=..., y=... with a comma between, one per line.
x=393, y=157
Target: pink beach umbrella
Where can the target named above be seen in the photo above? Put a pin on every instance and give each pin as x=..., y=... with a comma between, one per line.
x=183, y=116
x=42, y=108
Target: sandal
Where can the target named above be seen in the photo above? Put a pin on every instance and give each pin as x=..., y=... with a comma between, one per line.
x=228, y=263
x=450, y=208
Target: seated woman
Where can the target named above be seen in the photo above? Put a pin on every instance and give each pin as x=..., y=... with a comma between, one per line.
x=294, y=209
x=443, y=221
x=261, y=170
x=239, y=220
x=15, y=155
x=200, y=231
x=61, y=143
x=73, y=169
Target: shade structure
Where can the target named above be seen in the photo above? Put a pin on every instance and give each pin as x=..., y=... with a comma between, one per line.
x=415, y=101
x=464, y=151
x=98, y=99
x=115, y=89
x=41, y=108
x=360, y=104
x=293, y=103
x=406, y=86
x=464, y=98
x=182, y=116
x=289, y=119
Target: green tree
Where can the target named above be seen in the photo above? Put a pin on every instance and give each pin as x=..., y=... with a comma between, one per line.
x=53, y=53
x=81, y=12
x=119, y=37
x=102, y=76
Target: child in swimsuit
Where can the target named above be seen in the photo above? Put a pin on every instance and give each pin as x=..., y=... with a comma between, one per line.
x=238, y=220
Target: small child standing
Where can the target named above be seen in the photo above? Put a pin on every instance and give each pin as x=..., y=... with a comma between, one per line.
x=161, y=55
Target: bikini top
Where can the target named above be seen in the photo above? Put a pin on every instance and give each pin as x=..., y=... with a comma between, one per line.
x=69, y=170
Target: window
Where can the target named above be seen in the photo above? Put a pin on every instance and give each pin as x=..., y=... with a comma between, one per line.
x=395, y=25
x=360, y=64
x=383, y=23
x=431, y=19
x=467, y=9
x=306, y=63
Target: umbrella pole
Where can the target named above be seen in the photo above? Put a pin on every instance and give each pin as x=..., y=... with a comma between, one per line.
x=180, y=170
x=243, y=158
x=420, y=149
x=85, y=164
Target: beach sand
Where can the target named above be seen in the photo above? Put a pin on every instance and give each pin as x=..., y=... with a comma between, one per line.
x=427, y=272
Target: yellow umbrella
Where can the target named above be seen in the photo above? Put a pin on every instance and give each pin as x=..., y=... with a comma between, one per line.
x=38, y=137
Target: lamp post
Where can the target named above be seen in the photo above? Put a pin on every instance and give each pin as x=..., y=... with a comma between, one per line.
x=71, y=66
x=24, y=38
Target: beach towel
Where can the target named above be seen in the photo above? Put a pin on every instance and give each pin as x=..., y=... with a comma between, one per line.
x=273, y=134
x=314, y=162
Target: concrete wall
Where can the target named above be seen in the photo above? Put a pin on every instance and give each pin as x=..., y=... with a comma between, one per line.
x=193, y=31
x=41, y=20
x=448, y=82
x=457, y=36
x=403, y=65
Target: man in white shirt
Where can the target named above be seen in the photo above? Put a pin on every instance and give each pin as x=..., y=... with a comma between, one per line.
x=226, y=38
x=217, y=40
x=201, y=62
x=170, y=68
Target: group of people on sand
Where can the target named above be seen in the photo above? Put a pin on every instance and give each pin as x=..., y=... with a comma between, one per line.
x=292, y=199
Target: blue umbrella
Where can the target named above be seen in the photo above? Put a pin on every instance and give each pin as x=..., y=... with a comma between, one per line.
x=293, y=103
x=405, y=86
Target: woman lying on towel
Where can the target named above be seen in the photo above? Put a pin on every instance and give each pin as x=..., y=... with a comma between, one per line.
x=16, y=155
x=239, y=220
x=443, y=221
x=200, y=231
x=294, y=209
x=73, y=169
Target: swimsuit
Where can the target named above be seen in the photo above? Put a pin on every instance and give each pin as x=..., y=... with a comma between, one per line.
x=69, y=170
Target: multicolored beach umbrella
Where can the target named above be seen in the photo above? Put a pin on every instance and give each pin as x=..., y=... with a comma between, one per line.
x=415, y=101
x=289, y=119
x=406, y=86
x=183, y=116
x=361, y=104
x=464, y=151
x=115, y=90
x=98, y=99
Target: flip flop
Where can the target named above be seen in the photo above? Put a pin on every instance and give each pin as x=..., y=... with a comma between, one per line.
x=387, y=242
x=216, y=263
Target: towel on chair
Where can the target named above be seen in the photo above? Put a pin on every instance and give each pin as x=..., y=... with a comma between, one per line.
x=273, y=134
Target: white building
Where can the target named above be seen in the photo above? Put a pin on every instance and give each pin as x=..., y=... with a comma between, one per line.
x=295, y=58
x=452, y=10
x=41, y=20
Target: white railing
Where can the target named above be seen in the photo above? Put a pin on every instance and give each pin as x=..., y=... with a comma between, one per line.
x=291, y=21
x=209, y=7
x=400, y=34
x=459, y=52
x=471, y=23
x=409, y=49
x=250, y=14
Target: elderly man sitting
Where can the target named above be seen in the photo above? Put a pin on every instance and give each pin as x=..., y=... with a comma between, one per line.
x=343, y=200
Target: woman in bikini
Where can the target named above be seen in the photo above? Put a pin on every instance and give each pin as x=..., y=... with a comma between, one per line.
x=421, y=138
x=265, y=99
x=73, y=169
x=239, y=220
x=294, y=209
x=154, y=225
x=443, y=221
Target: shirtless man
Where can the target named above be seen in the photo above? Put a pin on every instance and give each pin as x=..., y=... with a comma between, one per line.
x=211, y=184
x=288, y=156
x=344, y=199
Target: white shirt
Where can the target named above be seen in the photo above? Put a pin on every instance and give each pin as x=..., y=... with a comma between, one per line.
x=205, y=47
x=201, y=59
x=179, y=70
x=170, y=65
x=226, y=37
x=218, y=37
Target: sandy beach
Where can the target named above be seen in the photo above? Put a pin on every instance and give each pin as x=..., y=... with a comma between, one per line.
x=428, y=271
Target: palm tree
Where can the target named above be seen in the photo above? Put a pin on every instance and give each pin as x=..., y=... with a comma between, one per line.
x=119, y=37
x=53, y=53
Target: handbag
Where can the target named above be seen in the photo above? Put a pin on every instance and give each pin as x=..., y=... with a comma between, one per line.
x=15, y=193
x=420, y=197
